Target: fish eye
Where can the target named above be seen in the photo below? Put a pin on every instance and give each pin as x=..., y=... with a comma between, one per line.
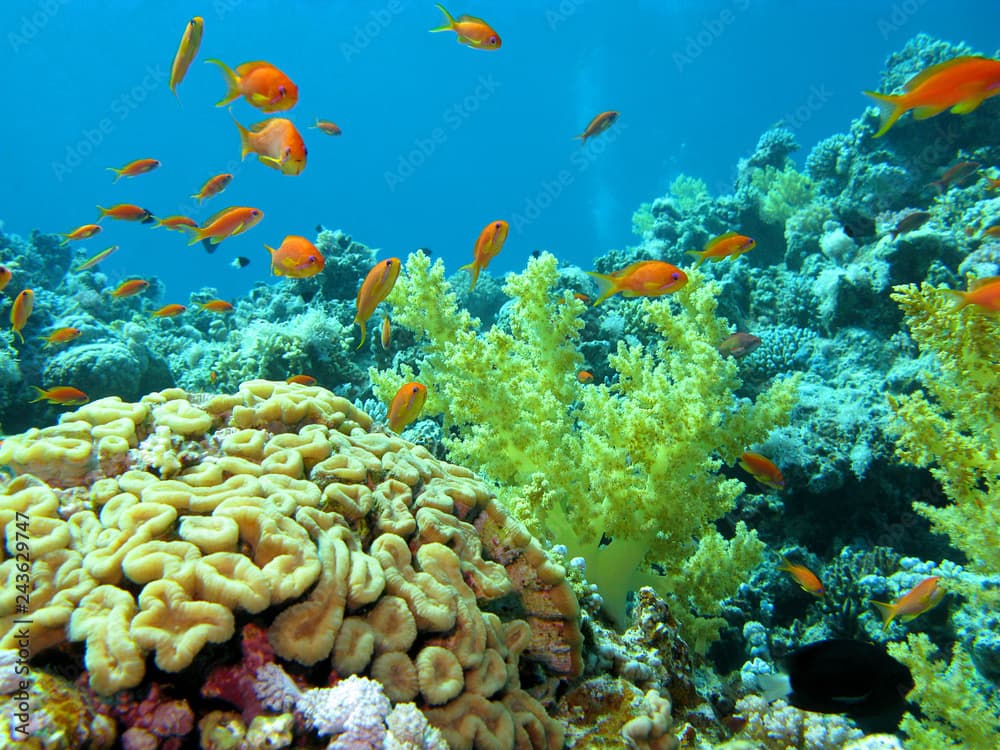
x=281, y=90
x=675, y=276
x=493, y=40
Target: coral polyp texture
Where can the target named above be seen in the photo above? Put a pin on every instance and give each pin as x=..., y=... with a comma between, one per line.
x=153, y=526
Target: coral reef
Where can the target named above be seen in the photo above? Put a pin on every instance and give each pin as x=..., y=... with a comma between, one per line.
x=582, y=461
x=355, y=541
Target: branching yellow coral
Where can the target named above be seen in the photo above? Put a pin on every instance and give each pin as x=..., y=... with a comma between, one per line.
x=636, y=460
x=954, y=426
x=957, y=714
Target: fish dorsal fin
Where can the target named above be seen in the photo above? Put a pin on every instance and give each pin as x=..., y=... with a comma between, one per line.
x=721, y=238
x=470, y=19
x=985, y=281
x=247, y=68
x=933, y=70
x=259, y=126
x=217, y=215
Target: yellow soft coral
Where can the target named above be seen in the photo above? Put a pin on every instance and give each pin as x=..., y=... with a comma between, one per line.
x=953, y=427
x=636, y=460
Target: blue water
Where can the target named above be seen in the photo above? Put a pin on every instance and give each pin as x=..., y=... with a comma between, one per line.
x=438, y=139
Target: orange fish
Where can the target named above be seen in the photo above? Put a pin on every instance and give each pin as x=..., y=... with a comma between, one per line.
x=488, y=246
x=763, y=470
x=260, y=83
x=21, y=311
x=82, y=233
x=93, y=261
x=330, y=128
x=738, y=345
x=177, y=223
x=585, y=376
x=386, y=333
x=277, y=144
x=728, y=245
x=645, y=278
x=133, y=168
x=213, y=186
x=983, y=293
x=302, y=379
x=992, y=183
x=5, y=276
x=961, y=84
x=598, y=125
x=62, y=336
x=63, y=395
x=296, y=258
x=406, y=405
x=186, y=51
x=127, y=212
x=216, y=306
x=375, y=288
x=471, y=31
x=130, y=288
x=922, y=597
x=169, y=311
x=226, y=223
x=584, y=298
x=807, y=580
x=993, y=231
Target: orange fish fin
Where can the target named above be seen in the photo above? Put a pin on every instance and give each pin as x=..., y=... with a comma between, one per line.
x=699, y=254
x=606, y=285
x=922, y=113
x=42, y=395
x=977, y=283
x=968, y=105
x=232, y=82
x=890, y=109
x=449, y=21
x=888, y=612
x=473, y=269
x=118, y=173
x=364, y=333
x=927, y=73
x=246, y=147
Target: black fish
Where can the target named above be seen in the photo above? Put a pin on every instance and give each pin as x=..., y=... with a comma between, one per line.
x=426, y=251
x=849, y=677
x=147, y=217
x=207, y=244
x=240, y=262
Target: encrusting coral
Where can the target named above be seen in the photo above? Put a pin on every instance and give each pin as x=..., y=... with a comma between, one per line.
x=355, y=546
x=637, y=460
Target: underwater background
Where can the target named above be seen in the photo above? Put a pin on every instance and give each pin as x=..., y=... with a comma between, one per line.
x=589, y=384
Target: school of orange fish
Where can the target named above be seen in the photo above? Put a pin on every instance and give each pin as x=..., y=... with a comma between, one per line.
x=959, y=85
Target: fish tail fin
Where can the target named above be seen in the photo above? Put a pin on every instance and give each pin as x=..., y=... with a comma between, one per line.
x=890, y=108
x=104, y=212
x=888, y=612
x=197, y=235
x=364, y=333
x=699, y=254
x=18, y=334
x=606, y=284
x=118, y=174
x=198, y=196
x=450, y=22
x=960, y=298
x=473, y=270
x=41, y=395
x=232, y=82
x=245, y=146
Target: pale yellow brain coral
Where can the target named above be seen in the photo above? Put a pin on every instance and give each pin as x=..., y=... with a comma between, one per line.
x=276, y=504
